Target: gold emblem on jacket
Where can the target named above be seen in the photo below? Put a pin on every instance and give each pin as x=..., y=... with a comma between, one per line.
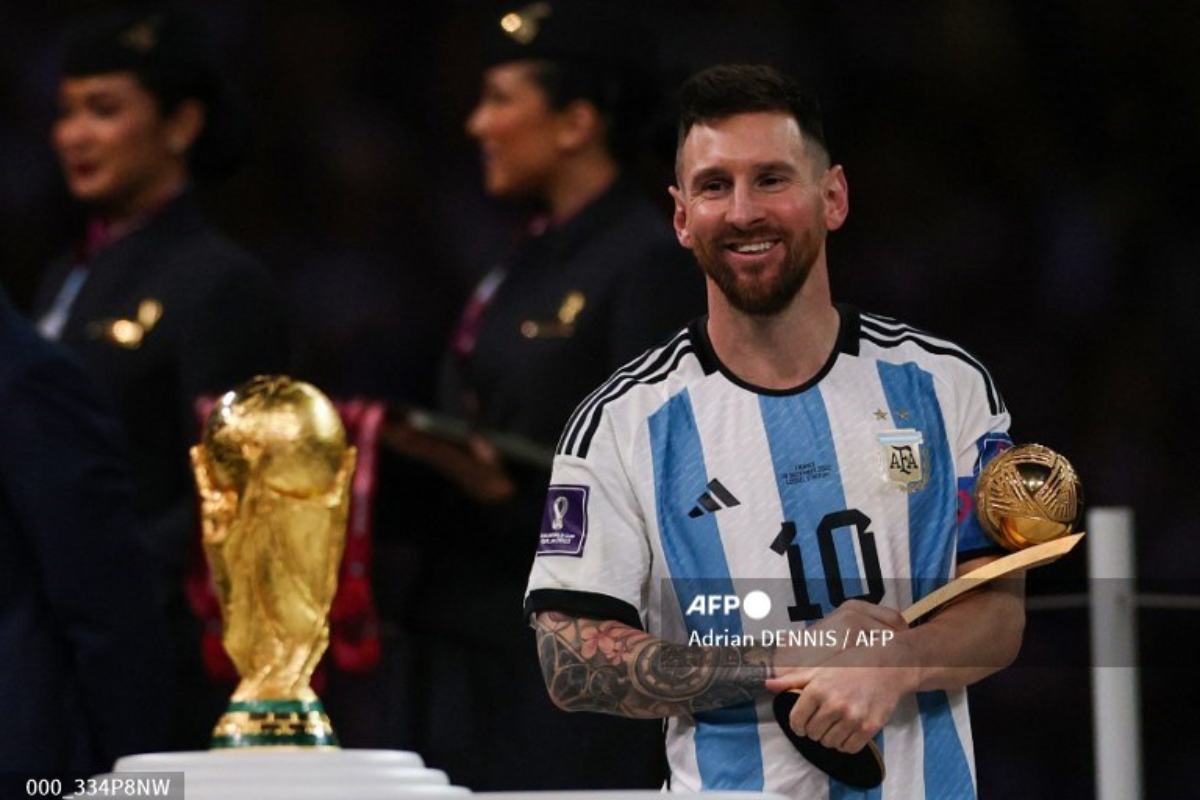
x=129, y=333
x=563, y=323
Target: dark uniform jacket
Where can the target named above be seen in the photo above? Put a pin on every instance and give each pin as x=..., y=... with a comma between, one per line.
x=82, y=640
x=529, y=370
x=577, y=302
x=221, y=323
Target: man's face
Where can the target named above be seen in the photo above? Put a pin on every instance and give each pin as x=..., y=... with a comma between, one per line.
x=755, y=204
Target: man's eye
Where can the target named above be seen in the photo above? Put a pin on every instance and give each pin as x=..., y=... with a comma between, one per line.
x=712, y=187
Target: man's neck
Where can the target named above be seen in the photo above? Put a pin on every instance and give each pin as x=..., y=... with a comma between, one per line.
x=781, y=351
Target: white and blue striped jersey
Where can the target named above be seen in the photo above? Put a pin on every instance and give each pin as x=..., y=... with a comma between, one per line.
x=675, y=481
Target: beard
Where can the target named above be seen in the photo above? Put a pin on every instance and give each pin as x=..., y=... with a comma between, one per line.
x=763, y=292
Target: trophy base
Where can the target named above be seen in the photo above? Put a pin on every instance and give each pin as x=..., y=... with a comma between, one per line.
x=274, y=723
x=283, y=773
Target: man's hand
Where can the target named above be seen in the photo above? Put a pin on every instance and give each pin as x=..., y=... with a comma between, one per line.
x=848, y=695
x=849, y=698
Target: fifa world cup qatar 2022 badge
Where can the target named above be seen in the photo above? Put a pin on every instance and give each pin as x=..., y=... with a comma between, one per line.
x=564, y=521
x=903, y=460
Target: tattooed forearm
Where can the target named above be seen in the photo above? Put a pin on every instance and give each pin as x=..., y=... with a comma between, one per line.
x=611, y=667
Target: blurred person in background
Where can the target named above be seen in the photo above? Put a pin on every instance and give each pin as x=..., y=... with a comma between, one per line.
x=83, y=678
x=160, y=306
x=594, y=278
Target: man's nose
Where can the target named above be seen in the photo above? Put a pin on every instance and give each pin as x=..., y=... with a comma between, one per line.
x=745, y=210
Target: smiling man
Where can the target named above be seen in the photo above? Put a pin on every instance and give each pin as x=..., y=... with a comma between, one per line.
x=784, y=448
x=742, y=241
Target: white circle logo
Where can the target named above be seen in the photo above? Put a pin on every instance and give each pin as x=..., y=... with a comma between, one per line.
x=757, y=604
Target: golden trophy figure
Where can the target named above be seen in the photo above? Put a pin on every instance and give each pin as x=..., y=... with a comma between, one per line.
x=273, y=473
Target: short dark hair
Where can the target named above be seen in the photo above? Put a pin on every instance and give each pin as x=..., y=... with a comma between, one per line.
x=726, y=90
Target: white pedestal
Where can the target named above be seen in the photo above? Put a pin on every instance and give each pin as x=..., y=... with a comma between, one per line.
x=283, y=774
x=626, y=794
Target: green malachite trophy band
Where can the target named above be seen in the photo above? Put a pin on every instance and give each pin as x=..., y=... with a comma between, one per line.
x=304, y=724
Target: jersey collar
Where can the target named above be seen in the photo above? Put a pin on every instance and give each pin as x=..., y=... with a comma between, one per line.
x=847, y=342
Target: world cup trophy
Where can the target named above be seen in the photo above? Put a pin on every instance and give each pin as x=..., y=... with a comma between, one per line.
x=273, y=472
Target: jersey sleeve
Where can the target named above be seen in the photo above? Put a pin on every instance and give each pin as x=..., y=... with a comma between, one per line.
x=983, y=423
x=593, y=557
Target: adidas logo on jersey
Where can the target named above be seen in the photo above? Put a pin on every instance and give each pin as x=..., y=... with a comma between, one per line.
x=716, y=498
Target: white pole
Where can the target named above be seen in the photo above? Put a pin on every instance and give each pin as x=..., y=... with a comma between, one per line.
x=1117, y=723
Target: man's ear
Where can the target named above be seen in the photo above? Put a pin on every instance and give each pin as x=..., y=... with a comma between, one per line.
x=679, y=217
x=836, y=194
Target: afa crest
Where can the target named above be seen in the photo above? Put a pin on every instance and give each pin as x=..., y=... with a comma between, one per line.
x=902, y=458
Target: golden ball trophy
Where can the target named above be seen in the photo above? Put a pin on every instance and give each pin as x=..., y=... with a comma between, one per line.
x=273, y=472
x=1028, y=495
x=1029, y=500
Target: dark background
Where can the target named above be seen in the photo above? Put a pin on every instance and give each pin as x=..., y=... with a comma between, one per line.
x=1023, y=180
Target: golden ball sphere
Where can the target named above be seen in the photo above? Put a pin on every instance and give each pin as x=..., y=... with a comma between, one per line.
x=286, y=431
x=1028, y=495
